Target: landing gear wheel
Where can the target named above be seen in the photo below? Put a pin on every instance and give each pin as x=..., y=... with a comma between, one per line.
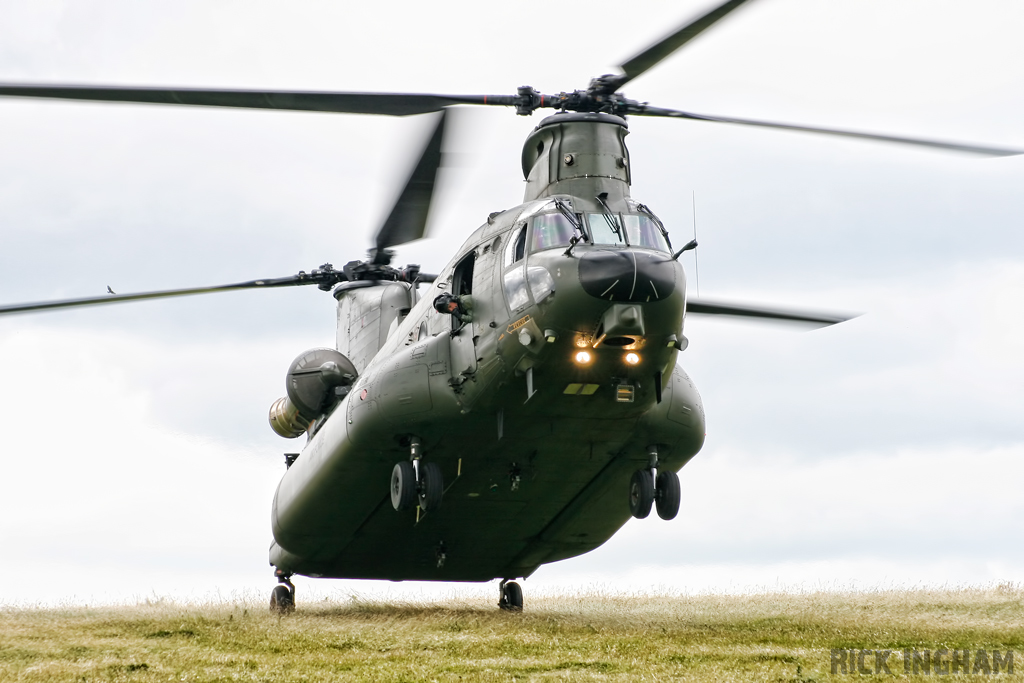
x=641, y=494
x=668, y=495
x=431, y=486
x=282, y=601
x=403, y=486
x=511, y=597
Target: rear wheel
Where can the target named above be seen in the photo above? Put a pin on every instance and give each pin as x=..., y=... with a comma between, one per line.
x=512, y=597
x=668, y=495
x=403, y=486
x=431, y=486
x=641, y=494
x=281, y=600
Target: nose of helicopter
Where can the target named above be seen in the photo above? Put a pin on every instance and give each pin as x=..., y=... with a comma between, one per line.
x=609, y=327
x=628, y=275
x=612, y=301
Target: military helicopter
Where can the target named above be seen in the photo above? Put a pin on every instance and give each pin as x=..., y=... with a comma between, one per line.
x=559, y=317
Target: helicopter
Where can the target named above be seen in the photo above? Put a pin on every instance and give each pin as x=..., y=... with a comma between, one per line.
x=594, y=220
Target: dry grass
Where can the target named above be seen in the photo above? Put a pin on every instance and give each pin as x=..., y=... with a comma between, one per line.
x=765, y=637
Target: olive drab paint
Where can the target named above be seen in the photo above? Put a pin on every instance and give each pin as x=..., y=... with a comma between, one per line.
x=421, y=378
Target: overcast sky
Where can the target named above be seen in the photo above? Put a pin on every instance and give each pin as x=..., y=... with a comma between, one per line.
x=135, y=454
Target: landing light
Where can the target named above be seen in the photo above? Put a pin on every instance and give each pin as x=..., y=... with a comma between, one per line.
x=632, y=358
x=583, y=357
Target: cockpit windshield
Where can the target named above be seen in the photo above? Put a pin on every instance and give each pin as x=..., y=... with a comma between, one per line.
x=640, y=230
x=550, y=230
x=605, y=228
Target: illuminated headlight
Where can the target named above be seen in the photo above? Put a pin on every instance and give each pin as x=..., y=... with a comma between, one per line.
x=582, y=357
x=632, y=358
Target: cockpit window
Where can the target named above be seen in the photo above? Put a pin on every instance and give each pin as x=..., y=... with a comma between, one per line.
x=604, y=228
x=516, y=292
x=516, y=247
x=641, y=231
x=550, y=230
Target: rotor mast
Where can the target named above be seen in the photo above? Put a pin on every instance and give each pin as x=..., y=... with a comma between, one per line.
x=578, y=154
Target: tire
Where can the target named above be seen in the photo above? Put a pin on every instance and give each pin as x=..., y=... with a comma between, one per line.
x=281, y=600
x=668, y=495
x=641, y=494
x=403, y=486
x=512, y=597
x=432, y=486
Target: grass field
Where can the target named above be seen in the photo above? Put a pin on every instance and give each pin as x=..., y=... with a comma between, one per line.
x=764, y=637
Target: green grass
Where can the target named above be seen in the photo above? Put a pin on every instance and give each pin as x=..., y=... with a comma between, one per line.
x=764, y=637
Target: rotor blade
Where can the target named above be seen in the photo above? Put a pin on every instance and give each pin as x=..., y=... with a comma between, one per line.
x=408, y=218
x=983, y=150
x=315, y=278
x=391, y=104
x=705, y=307
x=669, y=44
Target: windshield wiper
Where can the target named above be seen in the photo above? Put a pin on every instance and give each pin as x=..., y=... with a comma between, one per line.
x=642, y=208
x=613, y=219
x=577, y=225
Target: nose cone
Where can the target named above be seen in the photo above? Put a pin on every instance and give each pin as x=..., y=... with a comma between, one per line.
x=632, y=275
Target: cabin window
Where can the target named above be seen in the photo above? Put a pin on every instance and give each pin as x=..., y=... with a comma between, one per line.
x=462, y=278
x=550, y=230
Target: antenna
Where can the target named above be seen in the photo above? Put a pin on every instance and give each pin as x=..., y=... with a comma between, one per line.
x=696, y=269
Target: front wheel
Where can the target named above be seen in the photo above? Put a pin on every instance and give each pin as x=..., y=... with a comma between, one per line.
x=431, y=486
x=668, y=495
x=403, y=486
x=641, y=494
